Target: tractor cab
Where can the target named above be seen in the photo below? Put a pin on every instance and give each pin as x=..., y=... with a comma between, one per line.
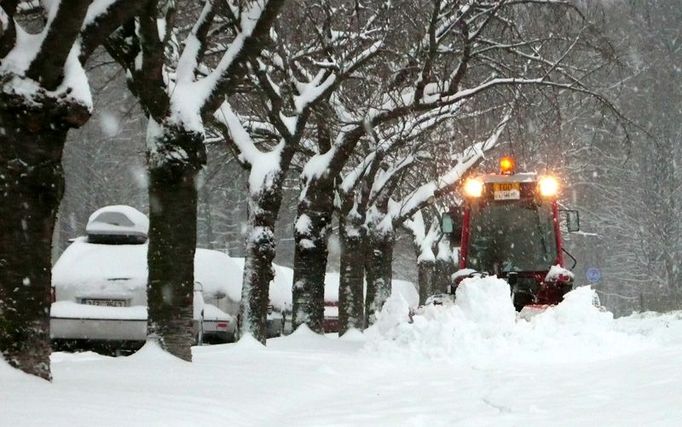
x=508, y=226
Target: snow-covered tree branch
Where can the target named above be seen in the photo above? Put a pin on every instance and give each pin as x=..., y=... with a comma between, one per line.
x=180, y=90
x=294, y=84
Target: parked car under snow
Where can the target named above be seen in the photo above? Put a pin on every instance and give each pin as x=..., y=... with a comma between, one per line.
x=99, y=284
x=284, y=277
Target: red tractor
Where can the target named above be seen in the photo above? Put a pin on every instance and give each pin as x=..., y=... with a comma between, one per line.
x=508, y=226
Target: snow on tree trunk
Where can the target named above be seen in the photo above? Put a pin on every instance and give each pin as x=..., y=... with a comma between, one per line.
x=351, y=281
x=425, y=277
x=266, y=178
x=378, y=270
x=44, y=93
x=176, y=157
x=445, y=266
x=260, y=252
x=31, y=187
x=311, y=234
x=423, y=248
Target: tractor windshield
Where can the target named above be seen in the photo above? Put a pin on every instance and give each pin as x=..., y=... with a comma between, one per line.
x=511, y=236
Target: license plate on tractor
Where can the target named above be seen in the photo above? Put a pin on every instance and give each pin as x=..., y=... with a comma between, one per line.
x=506, y=191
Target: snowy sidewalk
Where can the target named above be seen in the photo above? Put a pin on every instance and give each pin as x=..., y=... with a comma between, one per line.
x=622, y=372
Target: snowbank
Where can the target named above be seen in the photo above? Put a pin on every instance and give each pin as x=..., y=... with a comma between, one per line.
x=481, y=328
x=663, y=328
x=7, y=372
x=524, y=374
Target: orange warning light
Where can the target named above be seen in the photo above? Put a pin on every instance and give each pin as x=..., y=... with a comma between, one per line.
x=507, y=165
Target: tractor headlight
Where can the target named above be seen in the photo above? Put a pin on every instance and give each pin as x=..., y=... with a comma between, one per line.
x=548, y=186
x=473, y=187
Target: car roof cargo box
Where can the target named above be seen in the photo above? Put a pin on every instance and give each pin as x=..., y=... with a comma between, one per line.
x=117, y=224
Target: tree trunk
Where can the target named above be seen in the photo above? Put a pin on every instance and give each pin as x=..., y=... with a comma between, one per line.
x=425, y=276
x=311, y=235
x=351, y=281
x=174, y=166
x=260, y=252
x=442, y=278
x=31, y=187
x=378, y=270
x=444, y=268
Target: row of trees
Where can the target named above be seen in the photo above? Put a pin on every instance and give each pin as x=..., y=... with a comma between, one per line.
x=633, y=192
x=383, y=108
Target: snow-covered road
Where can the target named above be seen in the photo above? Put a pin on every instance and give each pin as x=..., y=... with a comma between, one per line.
x=572, y=366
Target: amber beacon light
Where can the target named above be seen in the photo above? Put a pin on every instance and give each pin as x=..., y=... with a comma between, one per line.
x=507, y=165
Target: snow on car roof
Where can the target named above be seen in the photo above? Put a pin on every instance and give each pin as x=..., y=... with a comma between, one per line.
x=280, y=287
x=118, y=220
x=83, y=264
x=218, y=273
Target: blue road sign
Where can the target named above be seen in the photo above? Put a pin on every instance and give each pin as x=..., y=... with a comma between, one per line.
x=593, y=274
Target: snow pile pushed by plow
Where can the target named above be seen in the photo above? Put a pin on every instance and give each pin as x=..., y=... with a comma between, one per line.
x=481, y=328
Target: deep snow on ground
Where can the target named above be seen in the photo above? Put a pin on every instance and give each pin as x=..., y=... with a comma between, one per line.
x=472, y=363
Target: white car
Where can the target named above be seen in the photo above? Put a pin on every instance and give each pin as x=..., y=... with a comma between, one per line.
x=99, y=284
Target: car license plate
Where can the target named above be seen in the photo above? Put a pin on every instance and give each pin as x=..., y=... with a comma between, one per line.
x=105, y=302
x=506, y=191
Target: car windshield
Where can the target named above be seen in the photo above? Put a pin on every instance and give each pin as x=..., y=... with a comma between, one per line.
x=511, y=236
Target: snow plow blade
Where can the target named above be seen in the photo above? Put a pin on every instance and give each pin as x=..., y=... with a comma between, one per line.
x=532, y=310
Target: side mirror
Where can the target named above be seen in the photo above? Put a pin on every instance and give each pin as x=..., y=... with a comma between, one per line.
x=451, y=224
x=447, y=225
x=572, y=220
